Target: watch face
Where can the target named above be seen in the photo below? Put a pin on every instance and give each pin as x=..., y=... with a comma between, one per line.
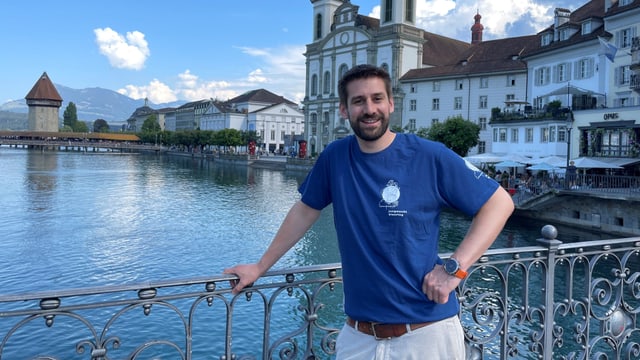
x=451, y=266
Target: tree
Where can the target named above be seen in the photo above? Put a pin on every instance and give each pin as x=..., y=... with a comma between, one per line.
x=70, y=116
x=456, y=133
x=100, y=126
x=81, y=126
x=150, y=124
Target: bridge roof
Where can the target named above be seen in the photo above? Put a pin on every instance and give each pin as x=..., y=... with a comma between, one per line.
x=71, y=135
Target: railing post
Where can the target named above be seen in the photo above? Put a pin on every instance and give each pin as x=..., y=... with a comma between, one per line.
x=549, y=235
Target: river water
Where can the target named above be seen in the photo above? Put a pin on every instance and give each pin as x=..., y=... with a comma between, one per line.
x=74, y=219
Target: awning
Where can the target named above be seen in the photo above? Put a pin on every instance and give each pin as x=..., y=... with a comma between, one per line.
x=617, y=161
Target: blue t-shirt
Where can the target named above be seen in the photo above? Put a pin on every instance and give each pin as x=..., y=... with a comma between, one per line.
x=386, y=208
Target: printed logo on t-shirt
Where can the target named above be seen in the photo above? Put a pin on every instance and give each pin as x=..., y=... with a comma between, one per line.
x=390, y=197
x=476, y=172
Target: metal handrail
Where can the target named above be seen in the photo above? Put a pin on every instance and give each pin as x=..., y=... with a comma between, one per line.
x=555, y=300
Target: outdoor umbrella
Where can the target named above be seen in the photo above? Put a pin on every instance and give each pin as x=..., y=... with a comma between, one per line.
x=485, y=158
x=542, y=166
x=553, y=160
x=509, y=164
x=589, y=163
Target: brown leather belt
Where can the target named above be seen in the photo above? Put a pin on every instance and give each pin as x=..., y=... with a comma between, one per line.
x=384, y=331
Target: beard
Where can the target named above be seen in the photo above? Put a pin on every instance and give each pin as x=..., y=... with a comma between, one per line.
x=366, y=133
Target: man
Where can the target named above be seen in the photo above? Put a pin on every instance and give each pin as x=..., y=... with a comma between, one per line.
x=387, y=192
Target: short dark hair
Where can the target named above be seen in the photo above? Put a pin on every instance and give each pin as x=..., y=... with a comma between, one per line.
x=362, y=71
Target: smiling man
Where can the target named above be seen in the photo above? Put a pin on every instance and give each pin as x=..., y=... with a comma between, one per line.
x=388, y=191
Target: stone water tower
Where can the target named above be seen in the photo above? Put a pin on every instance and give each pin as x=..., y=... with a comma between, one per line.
x=44, y=103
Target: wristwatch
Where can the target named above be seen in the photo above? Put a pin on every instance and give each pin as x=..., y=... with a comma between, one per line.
x=452, y=267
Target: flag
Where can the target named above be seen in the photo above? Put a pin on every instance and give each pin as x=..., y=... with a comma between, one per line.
x=607, y=49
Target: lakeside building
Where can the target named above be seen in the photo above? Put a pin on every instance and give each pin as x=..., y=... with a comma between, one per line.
x=509, y=87
x=277, y=121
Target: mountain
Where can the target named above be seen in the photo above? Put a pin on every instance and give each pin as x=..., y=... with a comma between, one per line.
x=91, y=104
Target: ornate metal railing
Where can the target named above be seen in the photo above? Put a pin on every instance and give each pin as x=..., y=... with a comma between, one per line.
x=553, y=301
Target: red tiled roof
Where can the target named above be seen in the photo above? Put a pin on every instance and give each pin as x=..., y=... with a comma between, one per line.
x=44, y=90
x=259, y=95
x=484, y=57
x=439, y=50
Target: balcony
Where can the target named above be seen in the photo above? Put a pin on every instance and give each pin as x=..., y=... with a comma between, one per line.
x=574, y=300
x=635, y=54
x=634, y=82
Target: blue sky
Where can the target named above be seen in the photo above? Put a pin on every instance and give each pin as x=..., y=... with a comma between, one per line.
x=192, y=50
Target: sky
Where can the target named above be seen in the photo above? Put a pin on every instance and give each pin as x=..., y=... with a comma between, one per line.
x=192, y=50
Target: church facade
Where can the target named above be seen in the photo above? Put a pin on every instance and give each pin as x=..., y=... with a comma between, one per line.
x=342, y=38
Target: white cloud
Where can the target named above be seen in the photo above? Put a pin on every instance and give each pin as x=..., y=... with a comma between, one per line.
x=281, y=71
x=500, y=18
x=157, y=92
x=128, y=52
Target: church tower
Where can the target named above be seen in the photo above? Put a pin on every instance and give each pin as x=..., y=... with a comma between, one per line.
x=476, y=30
x=323, y=12
x=44, y=103
x=398, y=12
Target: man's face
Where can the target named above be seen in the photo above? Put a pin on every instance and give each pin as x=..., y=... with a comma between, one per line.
x=368, y=108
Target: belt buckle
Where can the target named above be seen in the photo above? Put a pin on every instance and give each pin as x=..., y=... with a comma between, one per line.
x=375, y=335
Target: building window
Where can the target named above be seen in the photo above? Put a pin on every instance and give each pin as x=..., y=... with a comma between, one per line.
x=624, y=37
x=562, y=134
x=413, y=105
x=459, y=84
x=272, y=135
x=544, y=135
x=622, y=75
x=509, y=100
x=528, y=135
x=457, y=103
x=318, y=26
x=542, y=76
x=511, y=80
x=343, y=69
x=408, y=11
x=545, y=39
x=436, y=86
x=314, y=84
x=514, y=136
x=482, y=122
x=414, y=88
x=484, y=82
x=552, y=134
x=586, y=28
x=562, y=72
x=412, y=125
x=435, y=104
x=327, y=82
x=482, y=147
x=434, y=121
x=388, y=11
x=584, y=68
x=502, y=135
x=483, y=102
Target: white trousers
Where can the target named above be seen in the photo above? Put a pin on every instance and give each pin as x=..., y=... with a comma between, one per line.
x=443, y=340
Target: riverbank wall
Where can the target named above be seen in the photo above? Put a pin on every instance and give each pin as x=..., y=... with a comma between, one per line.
x=613, y=213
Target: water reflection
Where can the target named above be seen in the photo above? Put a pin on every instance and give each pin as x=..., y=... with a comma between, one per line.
x=40, y=179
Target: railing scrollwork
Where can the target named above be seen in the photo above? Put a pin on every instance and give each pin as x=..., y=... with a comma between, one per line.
x=552, y=301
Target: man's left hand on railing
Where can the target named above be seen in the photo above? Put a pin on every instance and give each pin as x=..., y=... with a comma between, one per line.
x=247, y=274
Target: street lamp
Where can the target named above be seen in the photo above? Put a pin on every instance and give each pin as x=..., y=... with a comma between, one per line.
x=569, y=126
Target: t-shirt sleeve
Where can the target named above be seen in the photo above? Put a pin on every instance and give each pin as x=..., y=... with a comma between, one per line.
x=462, y=185
x=315, y=189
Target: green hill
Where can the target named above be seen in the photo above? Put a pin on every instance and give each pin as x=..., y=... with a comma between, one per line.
x=13, y=121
